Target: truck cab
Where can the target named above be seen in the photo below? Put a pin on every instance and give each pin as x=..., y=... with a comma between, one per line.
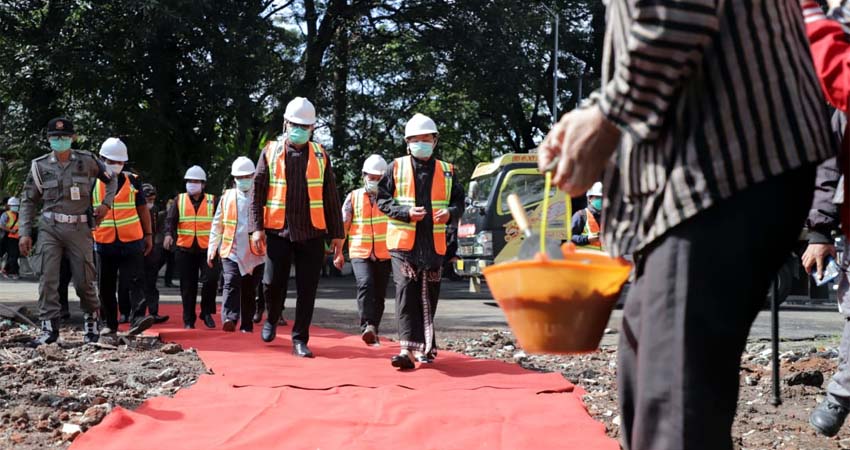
x=487, y=234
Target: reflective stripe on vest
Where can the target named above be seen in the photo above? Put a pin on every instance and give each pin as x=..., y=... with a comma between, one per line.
x=368, y=228
x=230, y=214
x=13, y=220
x=591, y=226
x=275, y=209
x=194, y=224
x=122, y=221
x=401, y=235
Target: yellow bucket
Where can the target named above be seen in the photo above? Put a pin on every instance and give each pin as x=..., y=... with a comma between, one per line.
x=559, y=306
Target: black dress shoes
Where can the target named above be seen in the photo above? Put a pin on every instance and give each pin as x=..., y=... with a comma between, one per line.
x=141, y=325
x=269, y=332
x=403, y=362
x=159, y=319
x=208, y=321
x=828, y=417
x=300, y=349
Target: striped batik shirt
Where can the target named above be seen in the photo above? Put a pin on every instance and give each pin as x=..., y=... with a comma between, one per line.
x=713, y=97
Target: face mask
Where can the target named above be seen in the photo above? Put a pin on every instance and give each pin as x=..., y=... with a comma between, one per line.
x=115, y=169
x=244, y=184
x=193, y=188
x=60, y=145
x=298, y=136
x=150, y=205
x=371, y=186
x=596, y=203
x=421, y=150
x=14, y=208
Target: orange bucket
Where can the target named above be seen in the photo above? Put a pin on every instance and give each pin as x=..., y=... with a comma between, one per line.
x=560, y=306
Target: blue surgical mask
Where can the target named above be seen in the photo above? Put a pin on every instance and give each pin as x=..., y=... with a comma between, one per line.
x=194, y=188
x=298, y=135
x=421, y=150
x=596, y=203
x=371, y=186
x=62, y=144
x=14, y=208
x=244, y=184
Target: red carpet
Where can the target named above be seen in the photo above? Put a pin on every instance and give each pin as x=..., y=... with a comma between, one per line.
x=261, y=397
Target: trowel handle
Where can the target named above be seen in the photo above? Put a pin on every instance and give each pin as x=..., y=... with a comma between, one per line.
x=518, y=211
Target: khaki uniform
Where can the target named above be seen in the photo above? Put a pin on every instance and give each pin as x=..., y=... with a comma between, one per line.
x=64, y=192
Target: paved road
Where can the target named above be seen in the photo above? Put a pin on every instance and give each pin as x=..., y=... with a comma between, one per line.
x=461, y=310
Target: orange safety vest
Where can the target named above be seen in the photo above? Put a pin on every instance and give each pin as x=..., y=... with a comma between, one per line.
x=400, y=234
x=275, y=210
x=13, y=220
x=194, y=224
x=229, y=214
x=122, y=221
x=591, y=226
x=368, y=228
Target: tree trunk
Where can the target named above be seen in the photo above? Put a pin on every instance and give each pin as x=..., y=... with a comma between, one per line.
x=340, y=92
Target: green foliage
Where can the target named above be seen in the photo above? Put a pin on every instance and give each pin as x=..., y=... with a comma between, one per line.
x=188, y=82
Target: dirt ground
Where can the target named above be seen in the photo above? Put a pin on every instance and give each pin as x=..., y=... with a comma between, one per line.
x=49, y=395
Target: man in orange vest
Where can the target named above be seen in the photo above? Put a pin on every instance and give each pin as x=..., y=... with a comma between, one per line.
x=420, y=196
x=585, y=223
x=122, y=240
x=229, y=239
x=188, y=226
x=366, y=228
x=9, y=225
x=296, y=206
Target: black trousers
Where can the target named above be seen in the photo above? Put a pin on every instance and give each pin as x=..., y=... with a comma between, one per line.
x=372, y=279
x=307, y=256
x=238, y=294
x=689, y=311
x=129, y=267
x=193, y=269
x=64, y=282
x=12, y=254
x=168, y=259
x=153, y=262
x=410, y=308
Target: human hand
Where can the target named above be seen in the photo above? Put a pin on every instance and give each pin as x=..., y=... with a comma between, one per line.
x=417, y=213
x=25, y=245
x=100, y=213
x=583, y=140
x=167, y=242
x=442, y=216
x=815, y=256
x=148, y=244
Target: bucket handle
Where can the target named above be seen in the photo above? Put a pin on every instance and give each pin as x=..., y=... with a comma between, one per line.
x=568, y=207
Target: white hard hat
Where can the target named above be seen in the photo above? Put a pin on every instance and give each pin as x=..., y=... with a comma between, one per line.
x=242, y=166
x=418, y=125
x=300, y=111
x=374, y=165
x=195, y=173
x=114, y=149
x=13, y=201
x=595, y=190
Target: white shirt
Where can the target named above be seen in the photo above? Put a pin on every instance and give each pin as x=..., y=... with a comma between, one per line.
x=240, y=253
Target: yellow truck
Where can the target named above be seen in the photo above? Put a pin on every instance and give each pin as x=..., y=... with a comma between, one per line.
x=487, y=234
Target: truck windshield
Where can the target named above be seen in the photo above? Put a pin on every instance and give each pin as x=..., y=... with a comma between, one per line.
x=479, y=190
x=528, y=186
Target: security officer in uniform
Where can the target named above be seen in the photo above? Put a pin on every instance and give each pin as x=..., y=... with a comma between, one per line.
x=61, y=182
